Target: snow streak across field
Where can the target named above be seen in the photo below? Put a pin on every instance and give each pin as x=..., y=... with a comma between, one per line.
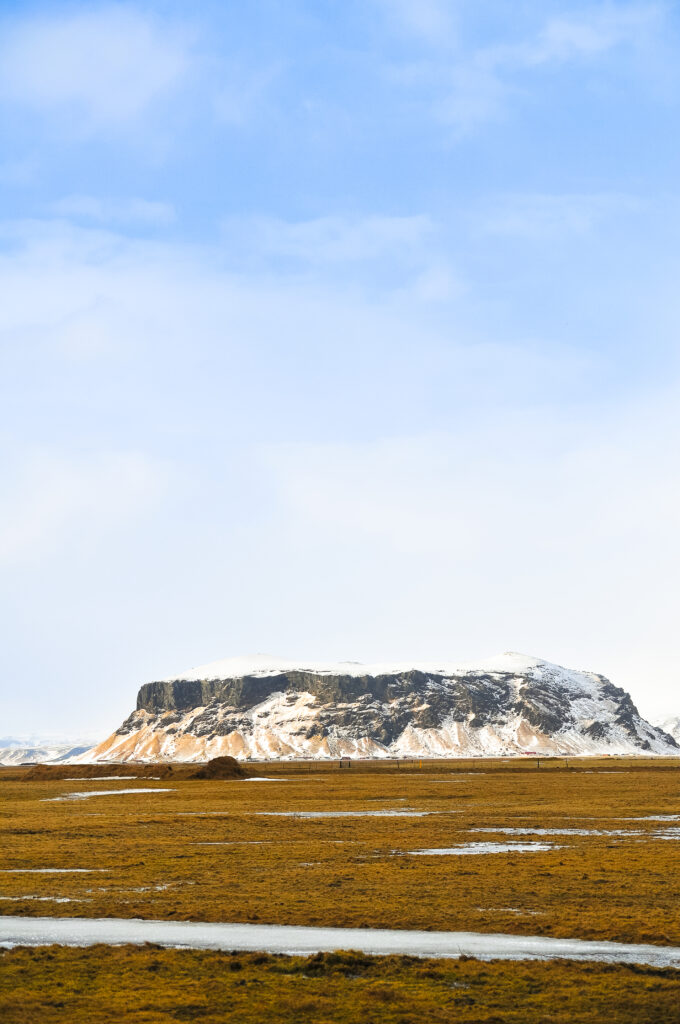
x=303, y=940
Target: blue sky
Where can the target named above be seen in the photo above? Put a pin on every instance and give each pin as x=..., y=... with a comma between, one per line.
x=343, y=330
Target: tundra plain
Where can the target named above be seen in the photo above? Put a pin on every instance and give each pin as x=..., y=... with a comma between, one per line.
x=305, y=846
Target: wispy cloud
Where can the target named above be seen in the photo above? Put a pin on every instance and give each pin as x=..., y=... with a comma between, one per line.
x=19, y=173
x=543, y=217
x=242, y=90
x=477, y=84
x=588, y=34
x=337, y=239
x=434, y=21
x=97, y=65
x=106, y=210
x=312, y=433
x=522, y=527
x=397, y=255
x=52, y=499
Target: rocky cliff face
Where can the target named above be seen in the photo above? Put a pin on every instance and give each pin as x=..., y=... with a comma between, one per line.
x=266, y=708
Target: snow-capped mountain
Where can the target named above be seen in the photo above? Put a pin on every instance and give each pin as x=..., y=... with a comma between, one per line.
x=671, y=725
x=262, y=707
x=12, y=753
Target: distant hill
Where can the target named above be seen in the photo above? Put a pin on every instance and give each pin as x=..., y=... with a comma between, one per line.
x=13, y=754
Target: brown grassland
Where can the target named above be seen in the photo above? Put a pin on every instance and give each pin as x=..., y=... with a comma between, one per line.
x=149, y=985
x=156, y=860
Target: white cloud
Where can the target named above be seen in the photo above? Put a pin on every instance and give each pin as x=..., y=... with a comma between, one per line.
x=242, y=91
x=51, y=500
x=478, y=85
x=546, y=534
x=432, y=20
x=336, y=239
x=19, y=172
x=463, y=524
x=545, y=217
x=437, y=283
x=586, y=35
x=98, y=64
x=106, y=210
x=473, y=92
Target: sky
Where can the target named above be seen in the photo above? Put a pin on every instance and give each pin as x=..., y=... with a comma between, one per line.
x=344, y=330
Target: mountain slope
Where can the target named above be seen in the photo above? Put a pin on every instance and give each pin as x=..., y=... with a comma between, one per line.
x=271, y=708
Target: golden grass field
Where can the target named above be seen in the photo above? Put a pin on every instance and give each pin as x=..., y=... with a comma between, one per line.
x=223, y=851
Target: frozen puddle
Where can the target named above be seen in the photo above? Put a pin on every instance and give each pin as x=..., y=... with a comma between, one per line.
x=560, y=831
x=85, y=794
x=42, y=899
x=669, y=833
x=236, y=842
x=345, y=814
x=472, y=848
x=656, y=817
x=42, y=931
x=262, y=778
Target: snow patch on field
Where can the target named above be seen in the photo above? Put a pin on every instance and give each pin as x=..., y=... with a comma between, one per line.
x=297, y=940
x=86, y=794
x=42, y=899
x=481, y=848
x=50, y=871
x=262, y=778
x=346, y=814
x=562, y=831
x=105, y=778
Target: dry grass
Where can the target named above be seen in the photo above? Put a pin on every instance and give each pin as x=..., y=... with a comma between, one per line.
x=344, y=871
x=148, y=985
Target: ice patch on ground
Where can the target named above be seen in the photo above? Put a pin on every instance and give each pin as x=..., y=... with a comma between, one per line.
x=347, y=814
x=655, y=817
x=302, y=941
x=479, y=848
x=51, y=871
x=86, y=794
x=42, y=899
x=236, y=842
x=561, y=831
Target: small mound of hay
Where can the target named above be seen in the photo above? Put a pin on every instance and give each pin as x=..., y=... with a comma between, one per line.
x=221, y=768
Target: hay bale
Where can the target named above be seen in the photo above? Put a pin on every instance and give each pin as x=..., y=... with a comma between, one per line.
x=221, y=768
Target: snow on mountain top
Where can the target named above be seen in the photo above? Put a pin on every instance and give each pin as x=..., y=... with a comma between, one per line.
x=266, y=665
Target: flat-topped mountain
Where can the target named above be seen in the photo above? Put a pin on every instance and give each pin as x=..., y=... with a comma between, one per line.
x=262, y=707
